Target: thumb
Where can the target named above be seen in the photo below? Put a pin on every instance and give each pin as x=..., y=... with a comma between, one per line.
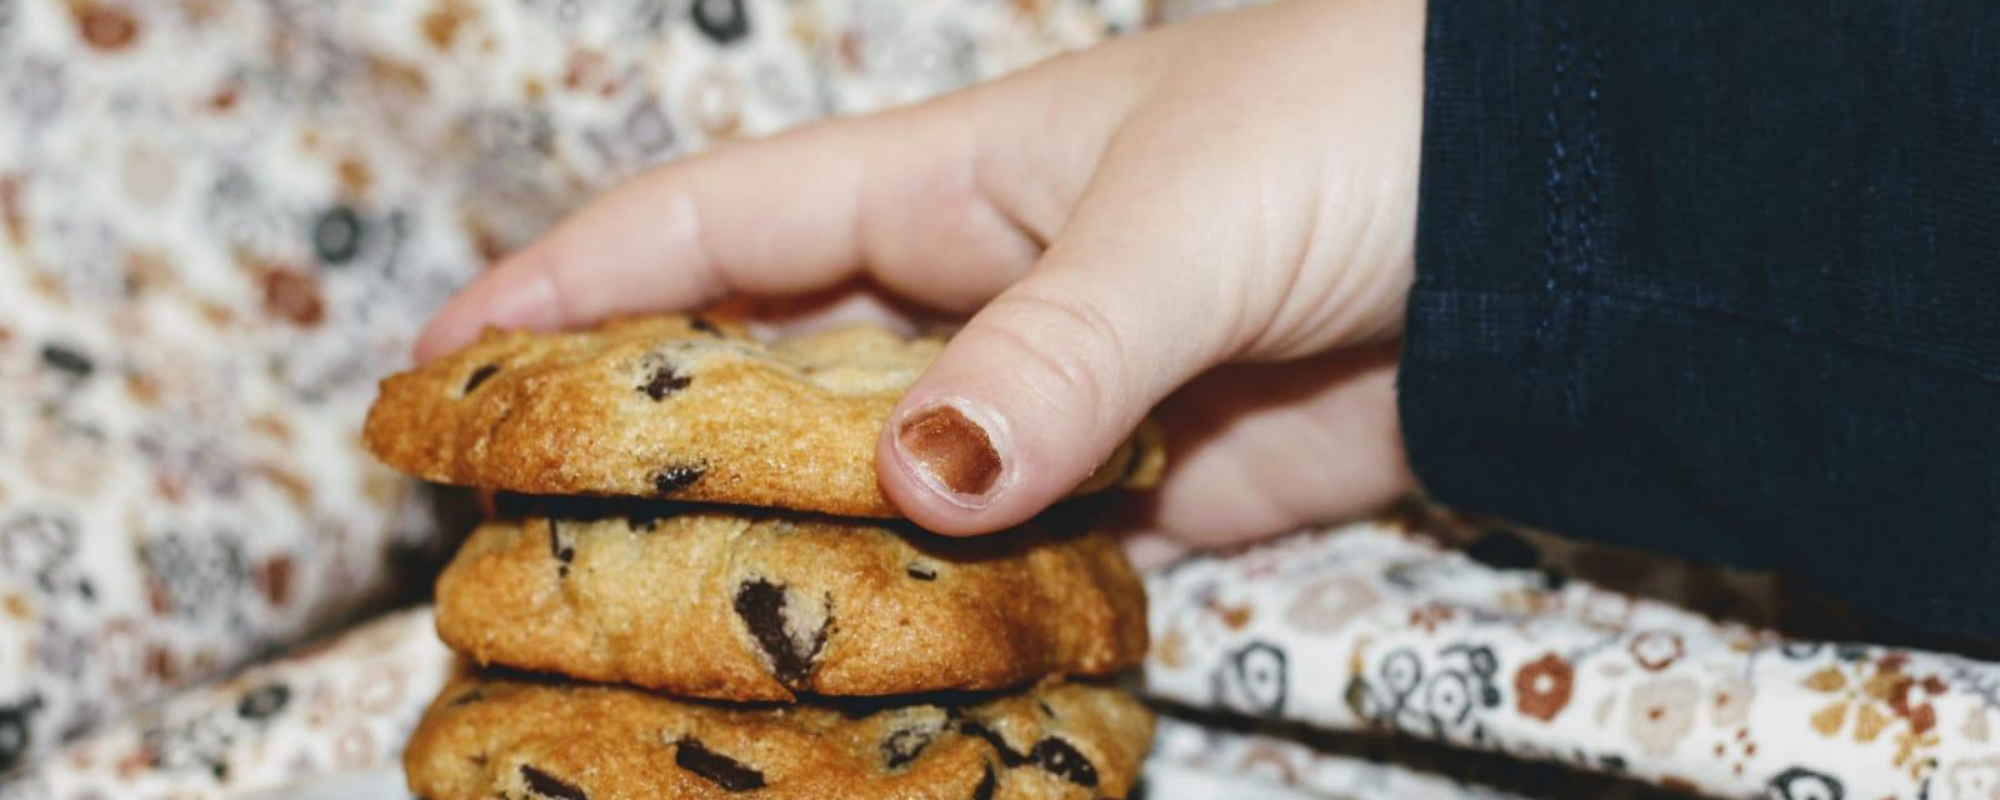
x=1045, y=382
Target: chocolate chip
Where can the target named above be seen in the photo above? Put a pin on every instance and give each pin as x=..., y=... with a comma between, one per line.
x=264, y=702
x=647, y=520
x=479, y=376
x=1008, y=756
x=761, y=604
x=665, y=381
x=987, y=783
x=903, y=746
x=678, y=477
x=67, y=359
x=1060, y=759
x=723, y=771
x=547, y=785
x=922, y=572
x=562, y=546
x=1044, y=706
x=702, y=325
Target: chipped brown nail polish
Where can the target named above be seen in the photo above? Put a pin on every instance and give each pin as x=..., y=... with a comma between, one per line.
x=954, y=451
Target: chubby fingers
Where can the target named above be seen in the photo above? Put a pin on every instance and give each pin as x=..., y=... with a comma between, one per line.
x=777, y=216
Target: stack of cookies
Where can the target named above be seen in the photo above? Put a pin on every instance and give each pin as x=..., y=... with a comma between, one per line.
x=693, y=586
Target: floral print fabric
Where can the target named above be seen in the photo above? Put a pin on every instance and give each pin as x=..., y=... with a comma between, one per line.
x=1377, y=627
x=344, y=708
x=221, y=221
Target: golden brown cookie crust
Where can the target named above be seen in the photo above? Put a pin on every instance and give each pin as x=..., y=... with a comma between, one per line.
x=671, y=406
x=488, y=737
x=733, y=604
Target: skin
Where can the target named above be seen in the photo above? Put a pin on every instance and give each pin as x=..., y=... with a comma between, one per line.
x=1217, y=218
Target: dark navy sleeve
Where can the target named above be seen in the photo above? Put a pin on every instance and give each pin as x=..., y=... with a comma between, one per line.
x=1720, y=279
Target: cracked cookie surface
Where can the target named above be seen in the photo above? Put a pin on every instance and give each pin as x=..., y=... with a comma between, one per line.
x=494, y=736
x=735, y=604
x=672, y=407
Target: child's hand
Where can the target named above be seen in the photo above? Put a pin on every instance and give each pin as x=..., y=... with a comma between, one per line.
x=1116, y=222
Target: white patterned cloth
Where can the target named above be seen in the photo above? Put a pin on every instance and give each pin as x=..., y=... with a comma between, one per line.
x=344, y=709
x=1371, y=627
x=222, y=220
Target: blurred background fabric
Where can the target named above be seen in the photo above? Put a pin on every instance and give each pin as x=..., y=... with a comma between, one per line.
x=222, y=221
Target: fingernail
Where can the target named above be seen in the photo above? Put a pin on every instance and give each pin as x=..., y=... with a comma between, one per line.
x=952, y=452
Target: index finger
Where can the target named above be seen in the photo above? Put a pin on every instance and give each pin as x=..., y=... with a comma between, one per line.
x=945, y=204
x=657, y=241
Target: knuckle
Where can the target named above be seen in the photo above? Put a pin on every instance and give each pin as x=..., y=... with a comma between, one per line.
x=1076, y=346
x=561, y=272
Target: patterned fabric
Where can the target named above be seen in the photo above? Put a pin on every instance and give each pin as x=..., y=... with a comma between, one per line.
x=329, y=712
x=1378, y=627
x=221, y=221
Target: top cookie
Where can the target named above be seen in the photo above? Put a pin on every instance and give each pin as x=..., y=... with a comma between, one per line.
x=672, y=406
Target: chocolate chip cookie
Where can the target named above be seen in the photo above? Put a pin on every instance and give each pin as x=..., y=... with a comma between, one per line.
x=671, y=407
x=737, y=604
x=489, y=736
